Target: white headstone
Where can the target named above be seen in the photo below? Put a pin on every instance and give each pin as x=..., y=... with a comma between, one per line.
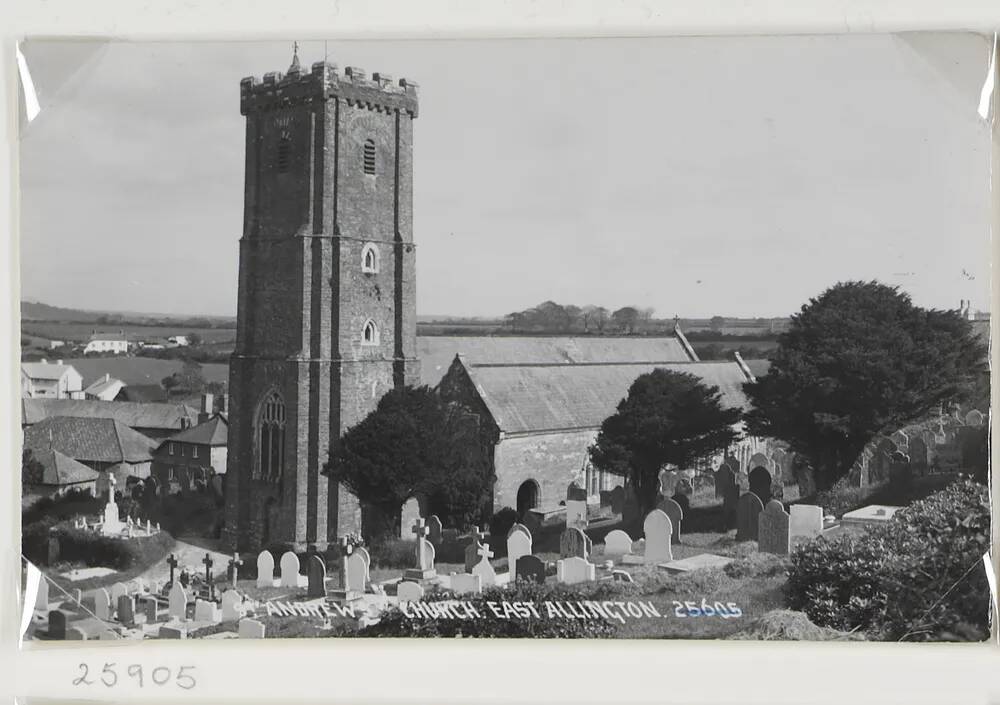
x=657, y=530
x=102, y=603
x=575, y=570
x=617, y=543
x=178, y=600
x=408, y=591
x=42, y=596
x=427, y=555
x=805, y=522
x=289, y=570
x=206, y=611
x=265, y=569
x=463, y=583
x=518, y=544
x=232, y=606
x=250, y=629
x=487, y=575
x=357, y=572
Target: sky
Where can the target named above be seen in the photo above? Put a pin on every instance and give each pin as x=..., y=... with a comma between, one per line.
x=733, y=176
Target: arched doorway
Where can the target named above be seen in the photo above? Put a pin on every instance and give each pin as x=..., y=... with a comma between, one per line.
x=527, y=497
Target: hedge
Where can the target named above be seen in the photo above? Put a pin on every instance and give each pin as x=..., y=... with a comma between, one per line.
x=919, y=577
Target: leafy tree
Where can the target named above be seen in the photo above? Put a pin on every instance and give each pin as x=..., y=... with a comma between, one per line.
x=859, y=360
x=595, y=318
x=32, y=471
x=668, y=417
x=413, y=444
x=194, y=339
x=625, y=319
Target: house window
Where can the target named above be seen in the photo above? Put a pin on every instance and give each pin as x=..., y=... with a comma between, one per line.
x=369, y=259
x=369, y=156
x=170, y=473
x=170, y=448
x=271, y=437
x=369, y=334
x=284, y=154
x=194, y=451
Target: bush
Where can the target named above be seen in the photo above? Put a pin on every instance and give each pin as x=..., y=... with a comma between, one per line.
x=918, y=577
x=843, y=498
x=396, y=624
x=90, y=548
x=73, y=503
x=500, y=524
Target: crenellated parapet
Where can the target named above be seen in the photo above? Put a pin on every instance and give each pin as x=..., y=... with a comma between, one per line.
x=324, y=81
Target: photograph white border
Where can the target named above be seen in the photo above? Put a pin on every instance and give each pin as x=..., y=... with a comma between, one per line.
x=442, y=671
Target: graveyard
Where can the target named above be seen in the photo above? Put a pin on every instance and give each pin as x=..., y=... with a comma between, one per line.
x=724, y=555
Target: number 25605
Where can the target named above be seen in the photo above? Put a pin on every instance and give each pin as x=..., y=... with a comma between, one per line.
x=161, y=675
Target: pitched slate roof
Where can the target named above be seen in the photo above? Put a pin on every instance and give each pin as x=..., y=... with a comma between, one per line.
x=142, y=370
x=213, y=432
x=537, y=398
x=90, y=440
x=60, y=469
x=143, y=393
x=133, y=414
x=101, y=386
x=45, y=370
x=436, y=352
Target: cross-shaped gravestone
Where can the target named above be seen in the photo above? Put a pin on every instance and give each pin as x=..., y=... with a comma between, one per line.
x=485, y=552
x=172, y=562
x=477, y=535
x=234, y=564
x=207, y=560
x=420, y=530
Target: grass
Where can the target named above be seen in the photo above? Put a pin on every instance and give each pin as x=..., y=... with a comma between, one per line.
x=150, y=550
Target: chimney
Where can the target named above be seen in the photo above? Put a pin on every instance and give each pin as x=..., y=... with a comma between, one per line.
x=224, y=404
x=207, y=408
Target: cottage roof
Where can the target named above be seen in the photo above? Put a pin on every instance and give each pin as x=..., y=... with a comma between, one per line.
x=133, y=414
x=60, y=469
x=436, y=352
x=45, y=370
x=102, y=385
x=537, y=398
x=90, y=440
x=213, y=432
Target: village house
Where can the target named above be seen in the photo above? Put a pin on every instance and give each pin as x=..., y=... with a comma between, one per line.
x=192, y=457
x=46, y=380
x=116, y=343
x=156, y=421
x=61, y=474
x=102, y=444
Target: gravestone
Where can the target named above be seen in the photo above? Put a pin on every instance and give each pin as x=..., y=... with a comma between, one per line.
x=657, y=530
x=756, y=460
x=805, y=522
x=617, y=497
x=576, y=513
x=519, y=527
x=617, y=543
x=117, y=590
x=206, y=611
x=408, y=591
x=530, y=569
x=919, y=457
x=316, y=571
x=265, y=569
x=900, y=474
x=484, y=569
x=575, y=492
x=773, y=529
x=730, y=494
x=434, y=529
x=449, y=536
x=668, y=482
x=356, y=578
x=760, y=483
x=126, y=610
x=466, y=583
x=408, y=517
x=605, y=496
x=673, y=509
x=621, y=576
x=102, y=604
x=57, y=624
x=424, y=556
x=901, y=441
x=232, y=606
x=575, y=570
x=518, y=544
x=177, y=602
x=748, y=508
x=149, y=607
x=53, y=553
x=250, y=629
x=289, y=570
x=471, y=555
x=974, y=418
x=171, y=631
x=573, y=542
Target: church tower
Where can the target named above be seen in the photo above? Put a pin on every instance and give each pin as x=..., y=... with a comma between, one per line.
x=326, y=318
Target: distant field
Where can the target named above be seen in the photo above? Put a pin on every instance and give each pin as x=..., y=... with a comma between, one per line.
x=80, y=332
x=142, y=370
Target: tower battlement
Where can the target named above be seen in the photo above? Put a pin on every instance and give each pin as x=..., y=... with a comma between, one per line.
x=324, y=81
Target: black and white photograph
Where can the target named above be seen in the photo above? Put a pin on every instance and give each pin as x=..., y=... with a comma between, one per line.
x=609, y=338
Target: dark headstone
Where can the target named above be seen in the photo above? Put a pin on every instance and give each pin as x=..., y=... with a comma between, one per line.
x=434, y=530
x=760, y=483
x=316, y=572
x=573, y=542
x=919, y=457
x=53, y=554
x=57, y=624
x=472, y=556
x=530, y=569
x=673, y=510
x=150, y=609
x=126, y=610
x=575, y=492
x=726, y=478
x=684, y=501
x=605, y=498
x=748, y=508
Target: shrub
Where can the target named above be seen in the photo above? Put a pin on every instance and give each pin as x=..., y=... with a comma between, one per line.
x=394, y=623
x=843, y=498
x=918, y=577
x=500, y=524
x=92, y=549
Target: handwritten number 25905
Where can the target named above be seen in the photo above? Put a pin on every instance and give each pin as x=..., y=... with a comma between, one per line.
x=161, y=675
